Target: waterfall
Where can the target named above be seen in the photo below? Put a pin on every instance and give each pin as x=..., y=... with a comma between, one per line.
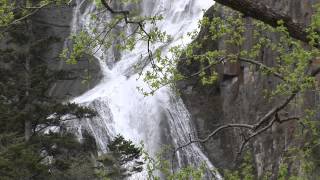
x=122, y=109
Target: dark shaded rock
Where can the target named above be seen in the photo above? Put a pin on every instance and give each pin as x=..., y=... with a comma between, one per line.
x=56, y=22
x=238, y=97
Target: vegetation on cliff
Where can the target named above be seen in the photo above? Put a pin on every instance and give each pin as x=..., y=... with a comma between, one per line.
x=29, y=118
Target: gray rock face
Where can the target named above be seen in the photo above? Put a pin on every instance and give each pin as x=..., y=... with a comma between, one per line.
x=238, y=97
x=50, y=27
x=55, y=22
x=41, y=38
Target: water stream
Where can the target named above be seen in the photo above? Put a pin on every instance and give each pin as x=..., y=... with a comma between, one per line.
x=155, y=120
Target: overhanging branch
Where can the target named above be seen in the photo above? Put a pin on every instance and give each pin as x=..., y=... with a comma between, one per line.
x=260, y=11
x=262, y=125
x=263, y=66
x=127, y=20
x=18, y=20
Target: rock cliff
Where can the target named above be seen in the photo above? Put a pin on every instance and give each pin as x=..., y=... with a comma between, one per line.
x=237, y=97
x=47, y=33
x=57, y=22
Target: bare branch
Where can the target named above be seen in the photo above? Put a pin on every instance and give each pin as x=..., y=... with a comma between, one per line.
x=275, y=110
x=264, y=129
x=125, y=14
x=278, y=75
x=215, y=132
x=140, y=24
x=254, y=130
x=315, y=72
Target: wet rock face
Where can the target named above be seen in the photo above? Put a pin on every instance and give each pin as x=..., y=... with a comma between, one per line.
x=56, y=22
x=238, y=97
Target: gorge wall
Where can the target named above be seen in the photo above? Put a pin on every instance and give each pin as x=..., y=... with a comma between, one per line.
x=238, y=96
x=40, y=40
x=44, y=39
x=55, y=22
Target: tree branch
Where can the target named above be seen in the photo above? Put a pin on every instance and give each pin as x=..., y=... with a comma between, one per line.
x=275, y=110
x=140, y=24
x=260, y=11
x=264, y=129
x=16, y=21
x=254, y=130
x=262, y=66
x=216, y=131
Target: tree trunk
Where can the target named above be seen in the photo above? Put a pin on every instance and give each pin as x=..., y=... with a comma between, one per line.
x=260, y=11
x=27, y=123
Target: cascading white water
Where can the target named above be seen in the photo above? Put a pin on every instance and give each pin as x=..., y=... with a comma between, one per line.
x=122, y=109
